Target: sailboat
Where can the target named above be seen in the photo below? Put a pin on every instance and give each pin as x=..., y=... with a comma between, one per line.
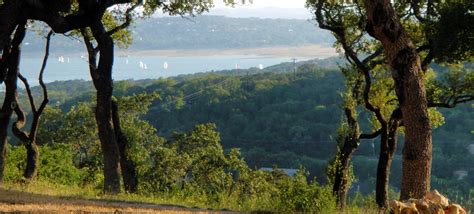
x=141, y=65
x=165, y=65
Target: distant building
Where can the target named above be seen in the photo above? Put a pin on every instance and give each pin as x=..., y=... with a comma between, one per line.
x=471, y=149
x=289, y=172
x=460, y=174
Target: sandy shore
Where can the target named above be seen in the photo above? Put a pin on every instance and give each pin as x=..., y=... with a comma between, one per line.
x=310, y=51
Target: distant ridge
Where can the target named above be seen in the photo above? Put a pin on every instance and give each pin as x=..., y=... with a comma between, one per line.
x=203, y=32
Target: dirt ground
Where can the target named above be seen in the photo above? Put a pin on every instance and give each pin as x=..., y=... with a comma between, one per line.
x=12, y=201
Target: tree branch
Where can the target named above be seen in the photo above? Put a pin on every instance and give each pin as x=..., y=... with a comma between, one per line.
x=19, y=124
x=28, y=92
x=362, y=66
x=40, y=77
x=452, y=103
x=128, y=19
x=371, y=135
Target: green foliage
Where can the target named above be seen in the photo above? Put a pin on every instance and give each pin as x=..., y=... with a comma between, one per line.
x=274, y=118
x=56, y=166
x=15, y=163
x=453, y=85
x=296, y=194
x=52, y=119
x=191, y=166
x=453, y=41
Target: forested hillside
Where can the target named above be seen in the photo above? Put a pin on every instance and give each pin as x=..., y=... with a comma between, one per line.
x=203, y=32
x=282, y=118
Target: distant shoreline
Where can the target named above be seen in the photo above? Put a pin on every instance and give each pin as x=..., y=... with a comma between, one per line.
x=309, y=51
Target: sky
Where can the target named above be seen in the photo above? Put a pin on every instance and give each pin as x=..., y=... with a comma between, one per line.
x=273, y=9
x=267, y=3
x=286, y=9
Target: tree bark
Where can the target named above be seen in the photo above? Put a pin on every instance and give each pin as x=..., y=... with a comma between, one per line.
x=103, y=83
x=384, y=25
x=12, y=62
x=10, y=12
x=128, y=167
x=32, y=161
x=388, y=147
x=342, y=175
x=29, y=139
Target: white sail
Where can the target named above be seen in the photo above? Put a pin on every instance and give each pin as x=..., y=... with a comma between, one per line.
x=165, y=65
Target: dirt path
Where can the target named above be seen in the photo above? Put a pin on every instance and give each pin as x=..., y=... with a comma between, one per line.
x=12, y=201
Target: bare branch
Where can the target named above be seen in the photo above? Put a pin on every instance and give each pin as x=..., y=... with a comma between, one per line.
x=415, y=4
x=28, y=92
x=371, y=135
x=40, y=77
x=128, y=19
x=452, y=103
x=20, y=123
x=352, y=57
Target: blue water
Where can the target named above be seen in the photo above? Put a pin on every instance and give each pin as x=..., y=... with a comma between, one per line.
x=77, y=67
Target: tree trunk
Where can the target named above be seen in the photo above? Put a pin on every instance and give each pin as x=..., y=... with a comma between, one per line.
x=342, y=175
x=383, y=171
x=387, y=150
x=384, y=25
x=103, y=113
x=32, y=161
x=127, y=165
x=32, y=153
x=351, y=142
x=12, y=54
x=10, y=12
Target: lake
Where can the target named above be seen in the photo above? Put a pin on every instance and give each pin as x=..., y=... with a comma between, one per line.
x=142, y=67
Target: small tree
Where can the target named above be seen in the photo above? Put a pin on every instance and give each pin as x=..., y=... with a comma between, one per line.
x=29, y=138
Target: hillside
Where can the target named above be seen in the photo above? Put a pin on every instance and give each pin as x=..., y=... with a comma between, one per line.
x=203, y=32
x=280, y=117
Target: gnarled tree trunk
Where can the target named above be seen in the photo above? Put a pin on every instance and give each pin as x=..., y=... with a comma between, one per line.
x=103, y=83
x=388, y=147
x=12, y=53
x=29, y=139
x=384, y=25
x=127, y=166
x=342, y=174
x=129, y=174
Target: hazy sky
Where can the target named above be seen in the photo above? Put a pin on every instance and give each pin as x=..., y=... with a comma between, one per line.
x=286, y=9
x=267, y=3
